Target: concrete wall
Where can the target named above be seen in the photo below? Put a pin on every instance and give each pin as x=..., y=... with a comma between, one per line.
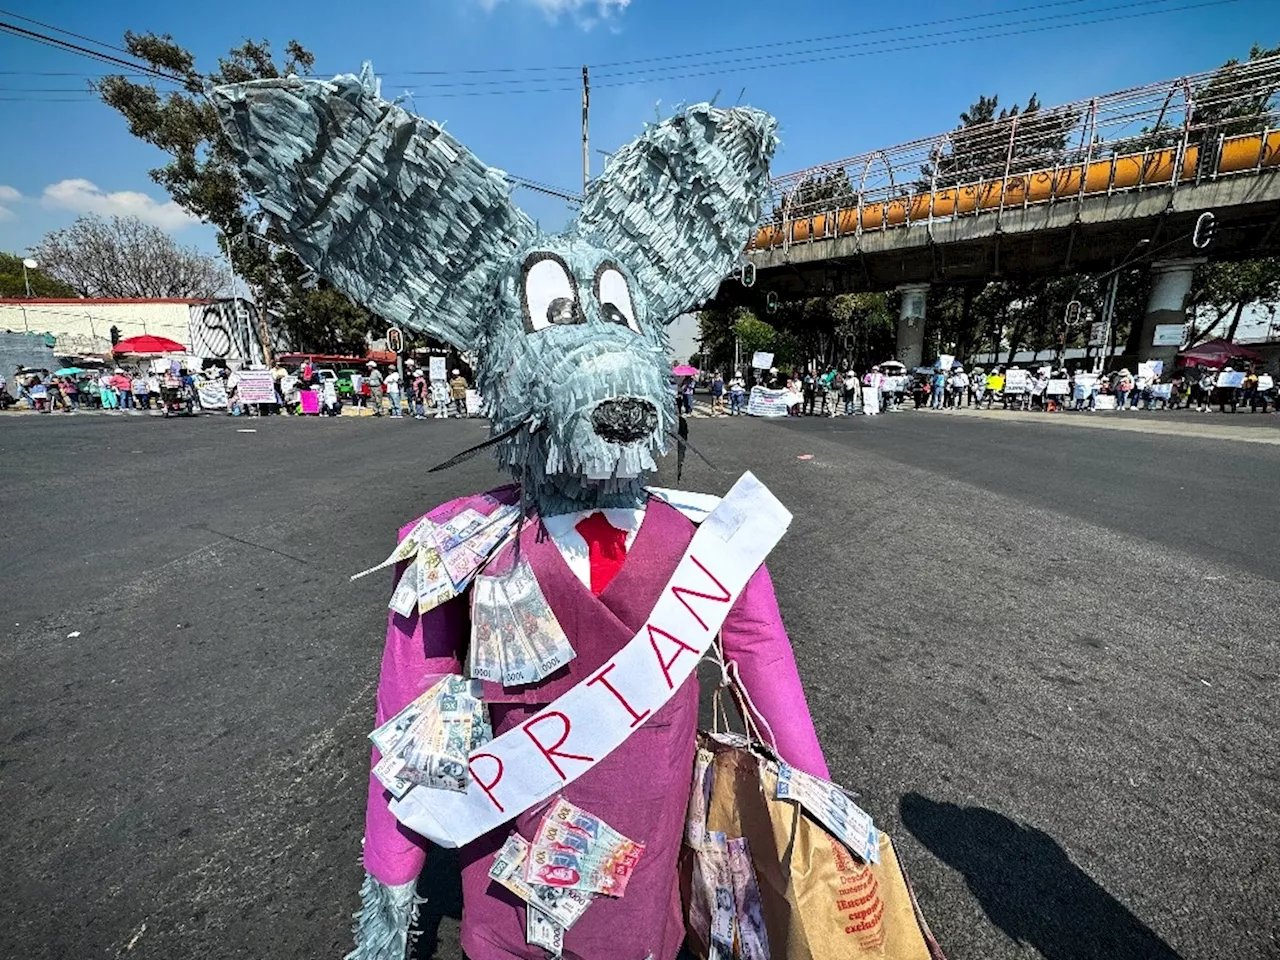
x=84, y=326
x=26, y=350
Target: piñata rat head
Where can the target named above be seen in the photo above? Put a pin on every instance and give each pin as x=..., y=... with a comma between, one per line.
x=569, y=329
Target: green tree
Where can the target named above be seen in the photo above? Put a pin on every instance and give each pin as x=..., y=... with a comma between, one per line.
x=817, y=193
x=42, y=285
x=202, y=177
x=987, y=141
x=1223, y=290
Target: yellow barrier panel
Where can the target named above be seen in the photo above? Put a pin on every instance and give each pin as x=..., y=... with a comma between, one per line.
x=1245, y=152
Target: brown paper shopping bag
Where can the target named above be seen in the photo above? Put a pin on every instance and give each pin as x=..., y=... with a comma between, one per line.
x=818, y=901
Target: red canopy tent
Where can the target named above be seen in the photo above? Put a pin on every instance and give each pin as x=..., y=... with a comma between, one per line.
x=1216, y=354
x=148, y=344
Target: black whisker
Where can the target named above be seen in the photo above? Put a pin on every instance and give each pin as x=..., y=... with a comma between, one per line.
x=468, y=454
x=683, y=442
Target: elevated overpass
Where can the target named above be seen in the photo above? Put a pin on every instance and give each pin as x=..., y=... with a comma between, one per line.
x=1081, y=187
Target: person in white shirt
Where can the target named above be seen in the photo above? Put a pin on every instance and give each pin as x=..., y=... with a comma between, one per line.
x=392, y=382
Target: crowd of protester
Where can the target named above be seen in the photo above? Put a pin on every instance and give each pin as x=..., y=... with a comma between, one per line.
x=175, y=386
x=836, y=392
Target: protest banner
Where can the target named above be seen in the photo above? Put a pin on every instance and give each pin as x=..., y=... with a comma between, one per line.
x=1016, y=381
x=435, y=368
x=536, y=759
x=896, y=384
x=1105, y=401
x=944, y=362
x=763, y=402
x=213, y=394
x=256, y=386
x=1231, y=378
x=1096, y=332
x=1265, y=382
x=1085, y=384
x=1162, y=391
x=761, y=360
x=1150, y=369
x=473, y=403
x=1057, y=388
x=871, y=399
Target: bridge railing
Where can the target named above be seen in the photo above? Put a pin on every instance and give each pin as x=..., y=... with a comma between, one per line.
x=1223, y=122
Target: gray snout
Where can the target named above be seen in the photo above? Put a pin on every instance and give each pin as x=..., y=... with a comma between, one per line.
x=624, y=420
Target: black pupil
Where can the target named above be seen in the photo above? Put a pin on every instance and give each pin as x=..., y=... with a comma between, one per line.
x=561, y=311
x=613, y=314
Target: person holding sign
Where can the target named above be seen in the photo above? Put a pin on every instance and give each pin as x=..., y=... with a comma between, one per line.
x=584, y=599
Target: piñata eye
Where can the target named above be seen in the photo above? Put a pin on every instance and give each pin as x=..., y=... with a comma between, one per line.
x=614, y=294
x=549, y=296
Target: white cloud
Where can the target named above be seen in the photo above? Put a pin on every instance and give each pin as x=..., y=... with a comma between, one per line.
x=83, y=196
x=8, y=195
x=587, y=13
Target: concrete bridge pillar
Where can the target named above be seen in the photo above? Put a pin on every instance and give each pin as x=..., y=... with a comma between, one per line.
x=1166, y=305
x=911, y=323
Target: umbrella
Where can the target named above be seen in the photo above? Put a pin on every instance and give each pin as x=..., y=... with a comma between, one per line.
x=1216, y=353
x=685, y=371
x=893, y=363
x=69, y=372
x=149, y=344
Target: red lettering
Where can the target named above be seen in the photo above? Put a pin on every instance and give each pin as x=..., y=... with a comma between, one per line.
x=487, y=787
x=666, y=664
x=602, y=677
x=680, y=593
x=554, y=750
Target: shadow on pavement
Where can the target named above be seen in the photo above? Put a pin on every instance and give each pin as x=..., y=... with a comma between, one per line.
x=1028, y=886
x=440, y=886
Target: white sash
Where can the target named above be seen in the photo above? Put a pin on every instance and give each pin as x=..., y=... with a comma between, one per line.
x=535, y=760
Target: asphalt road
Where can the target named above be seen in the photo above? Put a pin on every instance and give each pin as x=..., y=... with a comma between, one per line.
x=1045, y=654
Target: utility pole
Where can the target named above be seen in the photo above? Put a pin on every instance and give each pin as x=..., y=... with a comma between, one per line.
x=586, y=107
x=1108, y=311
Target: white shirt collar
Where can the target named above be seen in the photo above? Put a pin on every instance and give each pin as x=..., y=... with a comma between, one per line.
x=572, y=546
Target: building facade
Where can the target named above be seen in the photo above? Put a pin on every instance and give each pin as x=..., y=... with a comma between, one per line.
x=223, y=330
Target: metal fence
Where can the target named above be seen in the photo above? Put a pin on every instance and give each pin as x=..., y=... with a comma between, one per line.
x=1223, y=122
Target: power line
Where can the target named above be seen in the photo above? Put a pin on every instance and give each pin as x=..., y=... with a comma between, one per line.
x=802, y=58
x=67, y=33
x=85, y=51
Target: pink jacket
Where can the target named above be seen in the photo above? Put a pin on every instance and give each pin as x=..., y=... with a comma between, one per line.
x=642, y=788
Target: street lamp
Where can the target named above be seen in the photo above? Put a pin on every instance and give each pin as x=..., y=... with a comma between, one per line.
x=28, y=264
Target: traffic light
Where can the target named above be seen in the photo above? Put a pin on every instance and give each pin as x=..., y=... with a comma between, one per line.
x=771, y=302
x=115, y=334
x=1206, y=226
x=395, y=340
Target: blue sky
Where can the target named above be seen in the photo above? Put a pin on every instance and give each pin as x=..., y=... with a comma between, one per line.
x=63, y=154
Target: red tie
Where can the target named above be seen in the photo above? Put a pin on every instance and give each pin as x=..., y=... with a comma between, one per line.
x=607, y=548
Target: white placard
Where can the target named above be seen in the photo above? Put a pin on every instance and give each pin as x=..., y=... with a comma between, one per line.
x=944, y=362
x=213, y=395
x=435, y=368
x=1265, y=382
x=473, y=403
x=761, y=360
x=1057, y=388
x=1096, y=332
x=1017, y=381
x=1234, y=378
x=763, y=402
x=1104, y=401
x=870, y=399
x=1150, y=369
x=1168, y=335
x=538, y=758
x=256, y=386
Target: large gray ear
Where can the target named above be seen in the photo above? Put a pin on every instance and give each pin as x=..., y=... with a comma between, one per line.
x=385, y=205
x=678, y=204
